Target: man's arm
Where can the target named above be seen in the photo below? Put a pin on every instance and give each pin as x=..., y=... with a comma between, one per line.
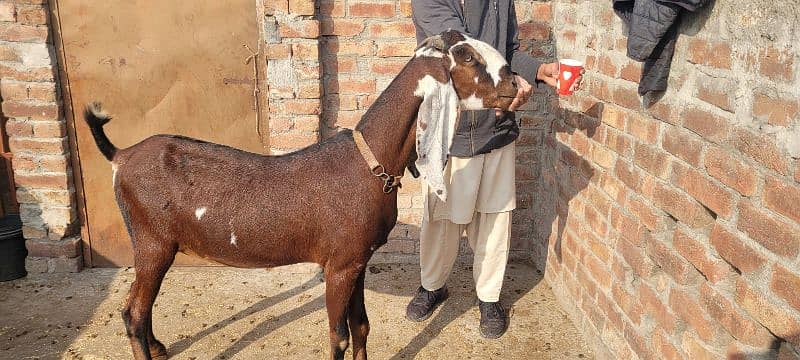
x=436, y=16
x=521, y=62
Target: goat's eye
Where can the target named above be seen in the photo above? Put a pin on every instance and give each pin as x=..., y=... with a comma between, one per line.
x=468, y=58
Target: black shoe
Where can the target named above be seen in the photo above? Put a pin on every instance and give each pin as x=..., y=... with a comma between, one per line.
x=422, y=305
x=493, y=319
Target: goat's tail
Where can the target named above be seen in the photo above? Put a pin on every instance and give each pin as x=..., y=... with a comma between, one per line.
x=96, y=118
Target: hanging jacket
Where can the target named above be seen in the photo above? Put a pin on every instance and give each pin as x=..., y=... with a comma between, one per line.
x=652, y=32
x=493, y=22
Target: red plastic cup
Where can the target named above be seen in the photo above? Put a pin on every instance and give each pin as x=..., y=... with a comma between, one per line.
x=568, y=71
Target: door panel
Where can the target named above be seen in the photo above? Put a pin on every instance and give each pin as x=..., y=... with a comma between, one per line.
x=158, y=67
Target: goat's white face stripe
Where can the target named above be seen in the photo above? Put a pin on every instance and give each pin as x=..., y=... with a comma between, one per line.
x=494, y=61
x=428, y=51
x=199, y=212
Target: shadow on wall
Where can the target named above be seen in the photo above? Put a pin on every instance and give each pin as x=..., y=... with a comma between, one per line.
x=563, y=174
x=329, y=69
x=779, y=350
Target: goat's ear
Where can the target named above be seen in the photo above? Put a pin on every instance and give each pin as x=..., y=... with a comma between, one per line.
x=435, y=42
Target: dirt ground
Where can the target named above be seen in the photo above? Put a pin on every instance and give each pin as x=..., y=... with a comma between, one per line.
x=226, y=313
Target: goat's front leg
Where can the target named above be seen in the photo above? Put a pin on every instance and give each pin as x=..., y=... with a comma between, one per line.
x=339, y=286
x=138, y=312
x=357, y=316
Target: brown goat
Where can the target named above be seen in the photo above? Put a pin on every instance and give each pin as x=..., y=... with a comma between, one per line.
x=320, y=204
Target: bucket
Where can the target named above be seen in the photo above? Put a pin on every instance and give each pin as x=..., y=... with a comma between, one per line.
x=12, y=248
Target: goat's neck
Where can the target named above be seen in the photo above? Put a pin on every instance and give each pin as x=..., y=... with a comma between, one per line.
x=389, y=124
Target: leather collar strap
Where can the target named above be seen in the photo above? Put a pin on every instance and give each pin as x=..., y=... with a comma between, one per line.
x=389, y=181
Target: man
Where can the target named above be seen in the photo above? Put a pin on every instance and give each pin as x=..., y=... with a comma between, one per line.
x=480, y=169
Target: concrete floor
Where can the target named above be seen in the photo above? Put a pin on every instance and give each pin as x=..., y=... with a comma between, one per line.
x=226, y=313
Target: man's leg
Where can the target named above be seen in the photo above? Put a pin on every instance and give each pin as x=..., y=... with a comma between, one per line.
x=490, y=237
x=438, y=250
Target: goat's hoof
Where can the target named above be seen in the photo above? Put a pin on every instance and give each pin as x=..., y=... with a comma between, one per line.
x=158, y=351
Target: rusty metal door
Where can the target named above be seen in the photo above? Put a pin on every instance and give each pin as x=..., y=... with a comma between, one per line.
x=175, y=67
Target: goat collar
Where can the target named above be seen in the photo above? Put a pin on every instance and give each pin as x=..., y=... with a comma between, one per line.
x=389, y=181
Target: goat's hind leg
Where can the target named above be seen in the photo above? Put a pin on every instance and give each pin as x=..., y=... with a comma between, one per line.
x=152, y=260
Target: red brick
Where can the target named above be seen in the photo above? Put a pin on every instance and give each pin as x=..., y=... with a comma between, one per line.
x=664, y=347
x=372, y=9
x=56, y=181
x=21, y=91
x=30, y=110
x=669, y=261
x=301, y=7
x=715, y=197
x=309, y=90
x=341, y=27
x=354, y=86
x=19, y=128
x=596, y=221
x=652, y=160
x=655, y=308
x=777, y=111
x=607, y=66
x=405, y=8
x=611, y=186
x=714, y=54
x=542, y=11
x=717, y=91
x=534, y=31
x=632, y=72
x=23, y=33
x=66, y=248
x=278, y=51
x=598, y=271
x=778, y=236
x=782, y=197
x=695, y=349
x=627, y=302
x=26, y=73
x=620, y=142
x=390, y=49
x=634, y=256
x=392, y=30
x=272, y=7
x=663, y=111
x=305, y=51
x=735, y=251
x=714, y=269
x=785, y=352
x=627, y=173
x=776, y=65
x=332, y=8
x=308, y=29
x=638, y=343
x=7, y=12
x=776, y=319
x=681, y=206
x=643, y=128
x=302, y=106
x=32, y=15
x=707, y=125
x=681, y=144
x=349, y=119
x=688, y=309
x=625, y=97
x=49, y=129
x=730, y=171
x=740, y=325
x=343, y=48
x=55, y=163
x=43, y=146
x=761, y=148
x=786, y=284
x=387, y=67
x=650, y=216
x=291, y=141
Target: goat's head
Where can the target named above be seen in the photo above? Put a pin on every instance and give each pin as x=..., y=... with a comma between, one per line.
x=479, y=74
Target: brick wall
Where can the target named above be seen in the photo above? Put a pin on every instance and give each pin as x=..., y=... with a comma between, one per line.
x=673, y=231
x=38, y=137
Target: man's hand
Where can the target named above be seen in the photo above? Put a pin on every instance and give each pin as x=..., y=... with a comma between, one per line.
x=549, y=74
x=524, y=90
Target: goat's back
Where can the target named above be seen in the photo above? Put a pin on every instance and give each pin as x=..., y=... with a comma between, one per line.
x=241, y=208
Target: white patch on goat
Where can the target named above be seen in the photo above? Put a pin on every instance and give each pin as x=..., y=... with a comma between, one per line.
x=233, y=239
x=114, y=169
x=199, y=212
x=477, y=79
x=494, y=61
x=426, y=86
x=428, y=51
x=343, y=345
x=472, y=103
